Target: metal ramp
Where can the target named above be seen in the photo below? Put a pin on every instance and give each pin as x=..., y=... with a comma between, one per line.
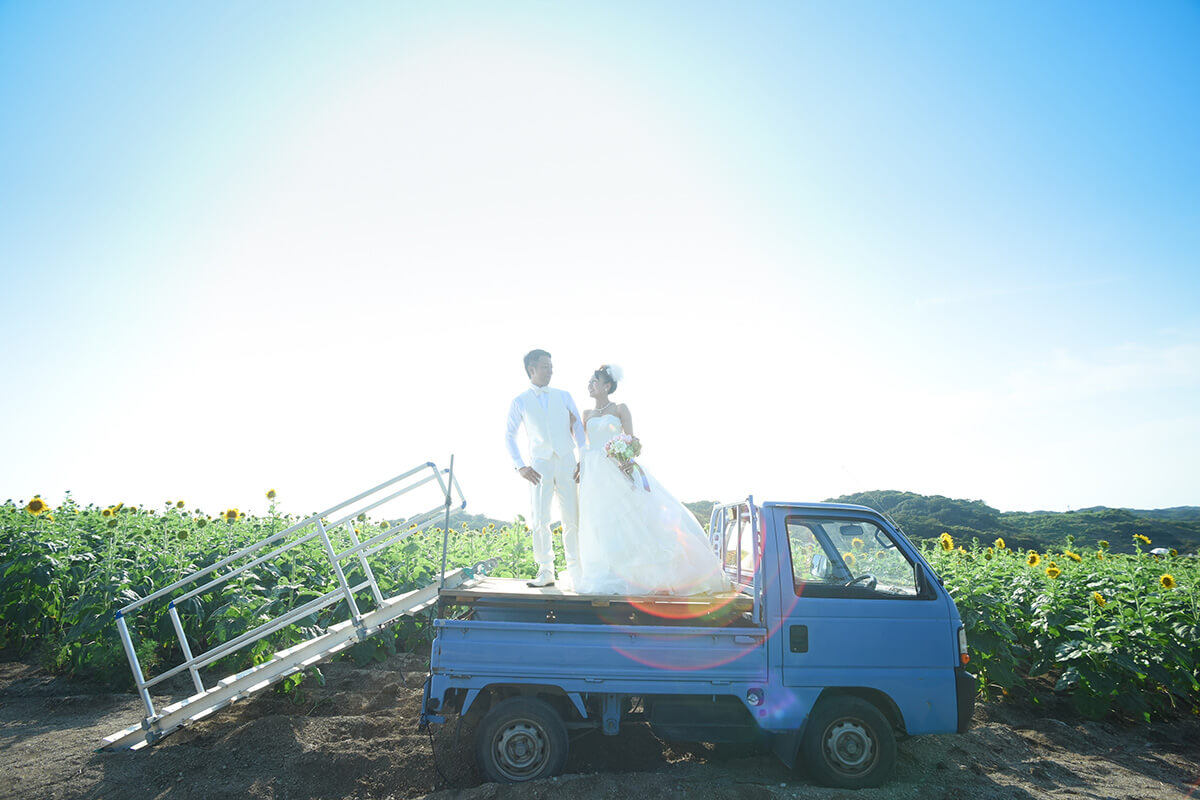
x=358, y=625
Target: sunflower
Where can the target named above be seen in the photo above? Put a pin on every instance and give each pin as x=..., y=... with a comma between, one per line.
x=1137, y=537
x=1103, y=544
x=1053, y=572
x=849, y=559
x=946, y=541
x=270, y=494
x=1033, y=559
x=1073, y=556
x=179, y=504
x=857, y=543
x=108, y=512
x=36, y=506
x=231, y=514
x=987, y=554
x=999, y=543
x=200, y=523
x=1173, y=552
x=1167, y=582
x=1098, y=599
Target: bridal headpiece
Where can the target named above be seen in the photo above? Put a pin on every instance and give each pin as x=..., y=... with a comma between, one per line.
x=614, y=372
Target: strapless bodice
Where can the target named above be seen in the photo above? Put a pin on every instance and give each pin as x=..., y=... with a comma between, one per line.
x=601, y=428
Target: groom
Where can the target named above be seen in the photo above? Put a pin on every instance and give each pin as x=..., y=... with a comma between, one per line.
x=551, y=422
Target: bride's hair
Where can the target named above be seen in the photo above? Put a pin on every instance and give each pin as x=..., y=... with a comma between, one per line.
x=605, y=373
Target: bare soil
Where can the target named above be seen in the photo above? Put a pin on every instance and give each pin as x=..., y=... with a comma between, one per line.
x=356, y=737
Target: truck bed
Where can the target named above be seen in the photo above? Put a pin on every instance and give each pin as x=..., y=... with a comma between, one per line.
x=501, y=630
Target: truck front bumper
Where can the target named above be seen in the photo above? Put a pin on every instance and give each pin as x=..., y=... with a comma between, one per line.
x=966, y=687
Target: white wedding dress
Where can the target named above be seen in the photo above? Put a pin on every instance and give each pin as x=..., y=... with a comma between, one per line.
x=633, y=541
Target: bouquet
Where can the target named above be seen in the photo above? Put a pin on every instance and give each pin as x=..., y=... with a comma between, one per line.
x=623, y=449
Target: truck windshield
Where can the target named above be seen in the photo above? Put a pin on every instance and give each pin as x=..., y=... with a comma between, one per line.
x=852, y=558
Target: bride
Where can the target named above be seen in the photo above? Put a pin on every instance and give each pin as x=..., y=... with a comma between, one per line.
x=634, y=537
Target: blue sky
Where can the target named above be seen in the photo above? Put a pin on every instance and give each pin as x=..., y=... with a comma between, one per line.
x=945, y=248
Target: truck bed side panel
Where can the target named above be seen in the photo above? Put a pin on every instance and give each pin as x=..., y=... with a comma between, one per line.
x=506, y=652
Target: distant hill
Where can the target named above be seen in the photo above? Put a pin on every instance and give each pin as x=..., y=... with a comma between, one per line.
x=477, y=521
x=927, y=516
x=702, y=509
x=472, y=521
x=1176, y=514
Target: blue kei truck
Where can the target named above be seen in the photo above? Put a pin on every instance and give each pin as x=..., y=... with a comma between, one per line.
x=834, y=635
x=837, y=635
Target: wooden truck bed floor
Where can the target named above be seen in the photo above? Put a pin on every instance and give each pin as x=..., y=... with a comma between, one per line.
x=499, y=590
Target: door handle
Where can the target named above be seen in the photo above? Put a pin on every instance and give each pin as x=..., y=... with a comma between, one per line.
x=798, y=638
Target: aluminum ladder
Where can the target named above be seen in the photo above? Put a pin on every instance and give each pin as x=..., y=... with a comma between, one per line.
x=359, y=625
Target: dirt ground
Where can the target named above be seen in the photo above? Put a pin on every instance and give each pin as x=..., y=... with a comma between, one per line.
x=356, y=737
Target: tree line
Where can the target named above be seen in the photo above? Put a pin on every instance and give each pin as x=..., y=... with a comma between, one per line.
x=929, y=516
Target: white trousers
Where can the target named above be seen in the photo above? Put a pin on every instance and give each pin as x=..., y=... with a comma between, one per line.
x=558, y=480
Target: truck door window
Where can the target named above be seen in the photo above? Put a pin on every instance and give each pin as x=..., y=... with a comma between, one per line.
x=851, y=558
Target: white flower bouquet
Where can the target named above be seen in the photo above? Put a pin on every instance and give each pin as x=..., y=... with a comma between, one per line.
x=623, y=449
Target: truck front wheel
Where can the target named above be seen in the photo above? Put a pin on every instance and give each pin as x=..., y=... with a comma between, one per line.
x=848, y=743
x=521, y=739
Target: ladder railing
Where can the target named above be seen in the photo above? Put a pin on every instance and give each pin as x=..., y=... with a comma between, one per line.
x=358, y=625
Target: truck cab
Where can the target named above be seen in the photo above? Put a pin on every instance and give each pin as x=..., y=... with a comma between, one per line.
x=836, y=635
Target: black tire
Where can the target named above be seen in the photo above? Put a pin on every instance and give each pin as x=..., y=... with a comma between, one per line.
x=521, y=739
x=848, y=743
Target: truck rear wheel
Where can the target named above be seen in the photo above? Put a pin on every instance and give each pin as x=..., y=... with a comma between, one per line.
x=521, y=739
x=848, y=744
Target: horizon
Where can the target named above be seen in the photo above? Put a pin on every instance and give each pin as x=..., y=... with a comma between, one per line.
x=952, y=248
x=469, y=511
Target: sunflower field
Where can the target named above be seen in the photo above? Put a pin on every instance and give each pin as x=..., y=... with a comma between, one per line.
x=1118, y=633
x=65, y=571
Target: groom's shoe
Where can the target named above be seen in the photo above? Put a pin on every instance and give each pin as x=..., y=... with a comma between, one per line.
x=544, y=578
